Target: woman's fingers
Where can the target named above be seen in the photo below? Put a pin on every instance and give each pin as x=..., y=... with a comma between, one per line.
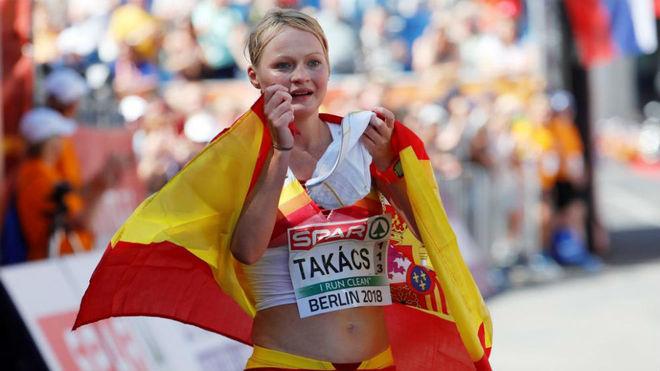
x=275, y=97
x=377, y=136
x=369, y=143
x=373, y=135
x=380, y=126
x=283, y=120
x=279, y=111
x=378, y=140
x=283, y=110
x=277, y=105
x=385, y=115
x=271, y=90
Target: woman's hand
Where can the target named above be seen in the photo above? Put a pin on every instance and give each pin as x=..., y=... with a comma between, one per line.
x=255, y=225
x=377, y=138
x=279, y=111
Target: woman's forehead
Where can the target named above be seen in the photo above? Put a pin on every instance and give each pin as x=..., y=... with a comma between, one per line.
x=292, y=40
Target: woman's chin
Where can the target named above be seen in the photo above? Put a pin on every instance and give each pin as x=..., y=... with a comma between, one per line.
x=301, y=112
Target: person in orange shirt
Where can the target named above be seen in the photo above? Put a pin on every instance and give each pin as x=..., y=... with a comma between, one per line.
x=52, y=201
x=49, y=210
x=537, y=149
x=569, y=238
x=568, y=144
x=64, y=89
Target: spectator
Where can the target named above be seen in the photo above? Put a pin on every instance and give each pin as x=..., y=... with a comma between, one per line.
x=536, y=148
x=213, y=22
x=433, y=48
x=64, y=89
x=571, y=179
x=568, y=242
x=138, y=35
x=161, y=149
x=382, y=53
x=341, y=36
x=182, y=55
x=492, y=149
x=51, y=213
x=78, y=44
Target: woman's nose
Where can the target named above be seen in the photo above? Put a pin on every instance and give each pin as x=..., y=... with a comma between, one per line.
x=300, y=74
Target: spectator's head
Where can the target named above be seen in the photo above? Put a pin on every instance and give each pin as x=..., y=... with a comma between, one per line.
x=64, y=89
x=538, y=109
x=374, y=20
x=136, y=29
x=42, y=128
x=506, y=30
x=459, y=106
x=506, y=108
x=562, y=102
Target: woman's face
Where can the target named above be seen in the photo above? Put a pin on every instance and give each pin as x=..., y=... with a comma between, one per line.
x=295, y=60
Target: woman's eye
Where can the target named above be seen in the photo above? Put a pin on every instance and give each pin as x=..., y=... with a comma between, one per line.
x=283, y=65
x=314, y=63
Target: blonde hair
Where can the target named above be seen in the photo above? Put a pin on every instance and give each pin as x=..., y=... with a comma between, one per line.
x=273, y=22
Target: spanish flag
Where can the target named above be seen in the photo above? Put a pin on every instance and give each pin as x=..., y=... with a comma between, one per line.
x=171, y=258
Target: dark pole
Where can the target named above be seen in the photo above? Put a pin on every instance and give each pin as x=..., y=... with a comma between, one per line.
x=576, y=80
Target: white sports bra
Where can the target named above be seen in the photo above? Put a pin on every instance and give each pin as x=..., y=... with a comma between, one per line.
x=269, y=279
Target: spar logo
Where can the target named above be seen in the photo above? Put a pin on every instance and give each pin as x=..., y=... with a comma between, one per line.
x=379, y=228
x=306, y=237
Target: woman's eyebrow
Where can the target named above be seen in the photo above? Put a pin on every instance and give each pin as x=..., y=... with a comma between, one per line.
x=281, y=55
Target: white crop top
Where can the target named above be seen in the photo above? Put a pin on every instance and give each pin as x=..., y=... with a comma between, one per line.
x=269, y=278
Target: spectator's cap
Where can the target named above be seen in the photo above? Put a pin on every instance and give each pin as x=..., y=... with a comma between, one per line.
x=66, y=85
x=132, y=107
x=561, y=100
x=42, y=123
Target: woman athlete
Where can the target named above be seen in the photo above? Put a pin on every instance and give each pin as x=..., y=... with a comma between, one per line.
x=288, y=53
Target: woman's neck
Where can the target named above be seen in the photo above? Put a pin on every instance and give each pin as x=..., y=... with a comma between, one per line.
x=313, y=134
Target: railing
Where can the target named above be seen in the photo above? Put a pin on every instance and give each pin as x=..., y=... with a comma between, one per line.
x=500, y=209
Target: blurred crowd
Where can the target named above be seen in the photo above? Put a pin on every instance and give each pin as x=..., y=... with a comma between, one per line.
x=463, y=74
x=147, y=42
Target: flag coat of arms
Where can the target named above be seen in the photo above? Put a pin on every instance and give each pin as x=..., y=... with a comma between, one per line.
x=171, y=258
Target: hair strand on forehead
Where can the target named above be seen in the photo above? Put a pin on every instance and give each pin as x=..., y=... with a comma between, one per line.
x=273, y=22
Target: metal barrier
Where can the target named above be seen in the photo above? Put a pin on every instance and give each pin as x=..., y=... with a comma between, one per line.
x=500, y=209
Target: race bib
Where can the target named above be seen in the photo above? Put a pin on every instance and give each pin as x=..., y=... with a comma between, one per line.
x=335, y=266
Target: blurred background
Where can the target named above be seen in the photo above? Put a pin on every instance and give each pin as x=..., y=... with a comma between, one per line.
x=541, y=118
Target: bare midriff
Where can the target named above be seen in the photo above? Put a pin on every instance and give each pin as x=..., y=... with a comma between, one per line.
x=345, y=336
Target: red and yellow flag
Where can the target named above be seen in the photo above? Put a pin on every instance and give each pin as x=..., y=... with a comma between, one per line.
x=172, y=259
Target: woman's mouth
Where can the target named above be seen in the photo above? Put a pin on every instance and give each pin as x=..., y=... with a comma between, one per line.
x=301, y=93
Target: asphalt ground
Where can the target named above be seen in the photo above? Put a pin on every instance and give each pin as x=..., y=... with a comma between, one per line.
x=603, y=321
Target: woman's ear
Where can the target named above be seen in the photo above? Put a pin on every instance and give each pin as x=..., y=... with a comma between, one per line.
x=252, y=75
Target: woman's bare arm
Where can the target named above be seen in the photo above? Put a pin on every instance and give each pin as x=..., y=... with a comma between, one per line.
x=255, y=225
